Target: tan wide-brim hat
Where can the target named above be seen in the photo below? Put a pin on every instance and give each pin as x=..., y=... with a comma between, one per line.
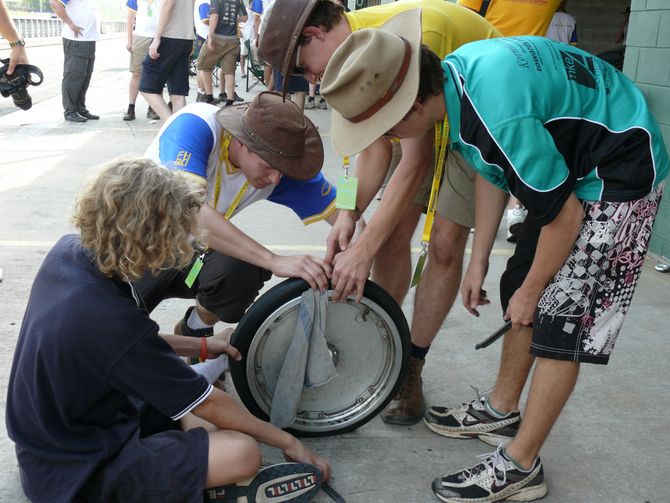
x=372, y=81
x=278, y=132
x=280, y=30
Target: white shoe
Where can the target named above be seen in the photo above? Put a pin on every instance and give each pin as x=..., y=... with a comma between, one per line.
x=515, y=217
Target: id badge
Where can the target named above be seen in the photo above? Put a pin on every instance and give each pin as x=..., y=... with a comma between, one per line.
x=195, y=270
x=346, y=193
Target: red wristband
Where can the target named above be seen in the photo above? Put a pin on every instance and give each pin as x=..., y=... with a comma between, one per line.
x=203, y=349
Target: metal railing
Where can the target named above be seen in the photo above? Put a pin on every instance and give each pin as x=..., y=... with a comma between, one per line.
x=31, y=27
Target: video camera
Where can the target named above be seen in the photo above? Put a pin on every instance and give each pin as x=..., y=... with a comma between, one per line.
x=15, y=85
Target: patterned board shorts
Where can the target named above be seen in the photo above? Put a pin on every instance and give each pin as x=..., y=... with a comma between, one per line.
x=581, y=311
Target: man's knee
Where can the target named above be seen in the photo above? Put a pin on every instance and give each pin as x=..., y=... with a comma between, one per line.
x=233, y=455
x=447, y=243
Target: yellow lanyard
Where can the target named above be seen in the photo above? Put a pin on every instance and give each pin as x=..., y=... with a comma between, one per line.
x=441, y=141
x=224, y=163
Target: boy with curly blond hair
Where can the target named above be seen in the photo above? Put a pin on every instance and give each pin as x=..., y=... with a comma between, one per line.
x=99, y=404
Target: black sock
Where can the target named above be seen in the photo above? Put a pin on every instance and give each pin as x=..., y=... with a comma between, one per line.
x=311, y=98
x=418, y=352
x=131, y=105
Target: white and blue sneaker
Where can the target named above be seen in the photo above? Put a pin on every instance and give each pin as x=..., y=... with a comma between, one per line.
x=495, y=478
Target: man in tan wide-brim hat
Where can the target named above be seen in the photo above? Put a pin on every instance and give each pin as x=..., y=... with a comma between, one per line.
x=574, y=140
x=301, y=36
x=266, y=149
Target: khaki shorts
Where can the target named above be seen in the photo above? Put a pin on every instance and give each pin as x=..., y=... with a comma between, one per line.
x=456, y=199
x=225, y=50
x=140, y=50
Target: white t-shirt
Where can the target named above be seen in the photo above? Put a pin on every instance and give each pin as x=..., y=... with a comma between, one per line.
x=562, y=28
x=84, y=15
x=201, y=18
x=146, y=20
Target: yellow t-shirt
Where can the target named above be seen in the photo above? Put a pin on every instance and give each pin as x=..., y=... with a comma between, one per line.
x=516, y=17
x=446, y=26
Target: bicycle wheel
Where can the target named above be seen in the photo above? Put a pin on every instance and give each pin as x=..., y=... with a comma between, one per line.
x=368, y=341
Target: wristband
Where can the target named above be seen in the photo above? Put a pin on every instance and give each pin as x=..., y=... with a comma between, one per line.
x=203, y=349
x=17, y=43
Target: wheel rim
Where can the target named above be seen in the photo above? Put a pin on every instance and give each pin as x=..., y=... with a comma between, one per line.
x=367, y=352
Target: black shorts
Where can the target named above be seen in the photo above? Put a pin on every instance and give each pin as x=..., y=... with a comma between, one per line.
x=170, y=68
x=164, y=467
x=225, y=286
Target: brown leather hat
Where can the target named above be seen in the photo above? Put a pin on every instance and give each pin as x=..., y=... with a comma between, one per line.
x=283, y=24
x=278, y=132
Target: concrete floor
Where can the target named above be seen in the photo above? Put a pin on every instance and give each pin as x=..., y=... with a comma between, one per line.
x=608, y=446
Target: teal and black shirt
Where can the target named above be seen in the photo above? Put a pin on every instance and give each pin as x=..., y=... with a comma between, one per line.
x=541, y=120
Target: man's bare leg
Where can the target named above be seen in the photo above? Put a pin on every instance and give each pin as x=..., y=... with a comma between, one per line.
x=206, y=79
x=515, y=364
x=434, y=297
x=229, y=84
x=392, y=266
x=550, y=389
x=158, y=105
x=178, y=102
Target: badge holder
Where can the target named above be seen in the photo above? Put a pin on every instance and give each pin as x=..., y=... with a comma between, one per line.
x=347, y=189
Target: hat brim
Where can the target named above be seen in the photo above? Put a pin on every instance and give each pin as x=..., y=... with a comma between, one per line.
x=298, y=168
x=349, y=138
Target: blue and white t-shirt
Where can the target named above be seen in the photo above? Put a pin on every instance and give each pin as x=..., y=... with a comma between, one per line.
x=146, y=16
x=192, y=140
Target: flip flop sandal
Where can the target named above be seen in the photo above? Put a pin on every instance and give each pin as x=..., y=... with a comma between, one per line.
x=278, y=483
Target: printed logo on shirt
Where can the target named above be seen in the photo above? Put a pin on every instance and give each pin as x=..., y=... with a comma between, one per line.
x=326, y=188
x=579, y=68
x=182, y=158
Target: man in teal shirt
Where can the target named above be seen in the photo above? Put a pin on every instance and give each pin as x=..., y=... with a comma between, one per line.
x=573, y=139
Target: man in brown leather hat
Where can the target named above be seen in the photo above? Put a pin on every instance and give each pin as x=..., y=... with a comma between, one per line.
x=266, y=149
x=302, y=35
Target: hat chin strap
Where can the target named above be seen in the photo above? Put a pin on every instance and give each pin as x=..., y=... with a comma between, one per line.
x=391, y=91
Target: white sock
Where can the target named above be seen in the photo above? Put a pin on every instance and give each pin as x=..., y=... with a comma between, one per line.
x=195, y=321
x=212, y=369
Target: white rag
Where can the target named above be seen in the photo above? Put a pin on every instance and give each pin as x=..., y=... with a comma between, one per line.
x=308, y=363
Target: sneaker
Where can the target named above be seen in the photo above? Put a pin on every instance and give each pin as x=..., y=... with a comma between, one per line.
x=151, y=115
x=282, y=482
x=515, y=217
x=310, y=103
x=182, y=328
x=130, y=114
x=322, y=104
x=408, y=406
x=473, y=420
x=495, y=478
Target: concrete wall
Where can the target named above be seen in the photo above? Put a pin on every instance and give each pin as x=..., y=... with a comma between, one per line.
x=647, y=62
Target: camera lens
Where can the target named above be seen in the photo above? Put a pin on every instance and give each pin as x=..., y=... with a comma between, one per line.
x=22, y=99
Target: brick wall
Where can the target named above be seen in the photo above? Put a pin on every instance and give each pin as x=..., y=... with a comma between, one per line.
x=598, y=22
x=647, y=62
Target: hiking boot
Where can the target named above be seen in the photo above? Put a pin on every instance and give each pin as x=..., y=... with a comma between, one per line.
x=310, y=103
x=473, y=420
x=151, y=115
x=278, y=483
x=130, y=114
x=515, y=217
x=408, y=405
x=496, y=478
